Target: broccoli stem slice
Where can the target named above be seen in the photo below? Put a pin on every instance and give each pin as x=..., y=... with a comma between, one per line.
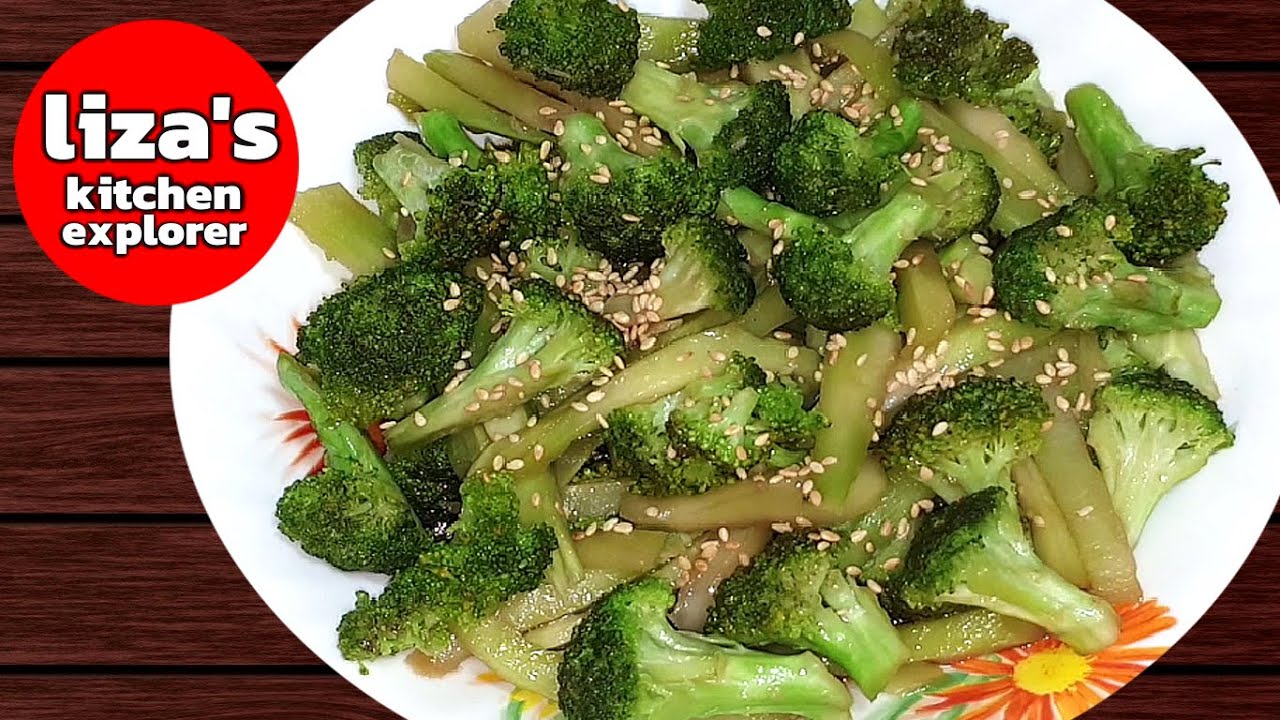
x=1073, y=166
x=1009, y=579
x=925, y=298
x=1049, y=531
x=874, y=64
x=768, y=313
x=413, y=80
x=966, y=634
x=869, y=19
x=497, y=88
x=1178, y=353
x=1022, y=169
x=445, y=138
x=630, y=555
x=344, y=229
x=855, y=372
x=747, y=504
x=669, y=40
x=1081, y=492
x=555, y=634
x=1113, y=147
x=500, y=646
x=746, y=207
x=856, y=633
x=650, y=378
x=548, y=602
x=704, y=677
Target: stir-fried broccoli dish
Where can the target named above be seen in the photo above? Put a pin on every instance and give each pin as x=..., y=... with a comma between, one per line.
x=739, y=366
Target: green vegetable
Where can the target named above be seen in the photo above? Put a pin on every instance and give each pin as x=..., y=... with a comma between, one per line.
x=344, y=229
x=1068, y=271
x=974, y=553
x=741, y=30
x=619, y=202
x=796, y=596
x=839, y=280
x=829, y=166
x=1150, y=432
x=456, y=585
x=384, y=344
x=1177, y=208
x=967, y=438
x=945, y=50
x=550, y=341
x=732, y=128
x=626, y=662
x=589, y=46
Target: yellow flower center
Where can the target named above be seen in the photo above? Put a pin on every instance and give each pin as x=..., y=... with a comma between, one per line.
x=1051, y=671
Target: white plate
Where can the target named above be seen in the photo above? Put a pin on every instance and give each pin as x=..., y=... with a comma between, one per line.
x=227, y=401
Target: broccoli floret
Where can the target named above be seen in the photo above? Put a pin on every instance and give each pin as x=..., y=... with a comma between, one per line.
x=1068, y=271
x=840, y=280
x=430, y=484
x=626, y=662
x=372, y=187
x=704, y=268
x=551, y=341
x=945, y=50
x=588, y=46
x=621, y=202
x=794, y=595
x=385, y=344
x=491, y=556
x=353, y=514
x=733, y=128
x=829, y=166
x=974, y=552
x=460, y=213
x=966, y=438
x=1177, y=208
x=352, y=522
x=643, y=453
x=741, y=30
x=738, y=420
x=1149, y=433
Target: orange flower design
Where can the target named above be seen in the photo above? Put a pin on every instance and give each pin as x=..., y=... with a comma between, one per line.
x=1050, y=681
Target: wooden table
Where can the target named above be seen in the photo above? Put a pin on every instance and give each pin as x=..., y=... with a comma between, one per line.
x=118, y=599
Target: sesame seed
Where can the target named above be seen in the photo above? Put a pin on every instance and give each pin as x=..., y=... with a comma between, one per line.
x=389, y=253
x=874, y=587
x=920, y=182
x=892, y=564
x=515, y=464
x=1062, y=403
x=452, y=304
x=419, y=419
x=1110, y=223
x=815, y=497
x=1063, y=231
x=940, y=428
x=1043, y=307
x=579, y=406
x=764, y=31
x=1085, y=511
x=926, y=473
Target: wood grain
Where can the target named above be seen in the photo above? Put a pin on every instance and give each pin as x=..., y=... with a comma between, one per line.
x=90, y=441
x=249, y=697
x=282, y=30
x=47, y=314
x=132, y=595
x=168, y=594
x=233, y=697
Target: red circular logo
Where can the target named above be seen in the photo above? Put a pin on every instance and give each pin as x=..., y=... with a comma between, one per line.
x=156, y=162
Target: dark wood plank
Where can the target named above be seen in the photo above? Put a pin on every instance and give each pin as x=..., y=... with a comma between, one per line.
x=271, y=30
x=1209, y=31
x=285, y=29
x=167, y=594
x=132, y=595
x=47, y=314
x=1150, y=697
x=232, y=697
x=91, y=441
x=1250, y=98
